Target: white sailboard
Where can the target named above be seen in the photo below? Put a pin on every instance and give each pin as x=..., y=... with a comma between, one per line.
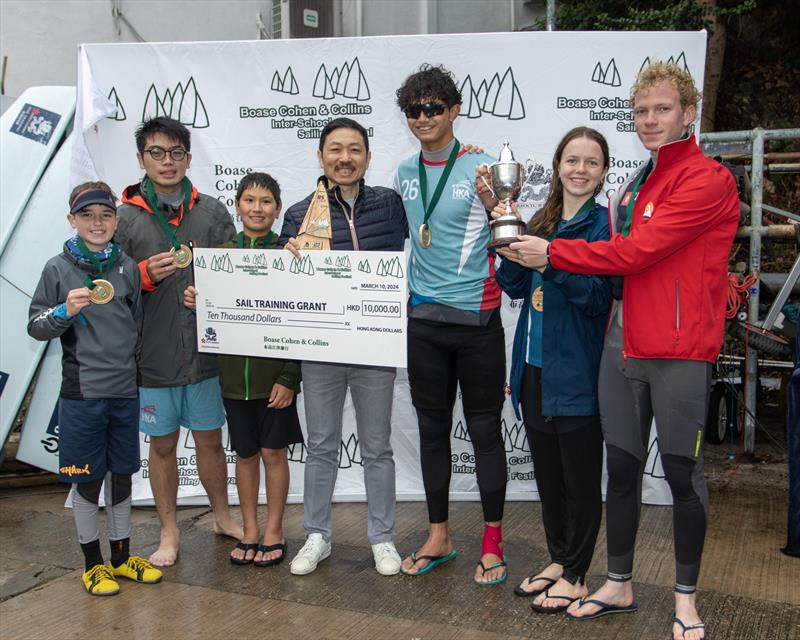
x=30, y=131
x=38, y=235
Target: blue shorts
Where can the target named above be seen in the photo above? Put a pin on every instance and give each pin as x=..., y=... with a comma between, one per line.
x=195, y=406
x=96, y=436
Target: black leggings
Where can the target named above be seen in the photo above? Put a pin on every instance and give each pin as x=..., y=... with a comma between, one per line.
x=441, y=356
x=568, y=461
x=675, y=392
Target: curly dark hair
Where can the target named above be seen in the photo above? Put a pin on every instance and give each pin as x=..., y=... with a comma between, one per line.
x=429, y=83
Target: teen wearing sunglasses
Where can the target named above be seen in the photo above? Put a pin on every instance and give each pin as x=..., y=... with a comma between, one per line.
x=455, y=336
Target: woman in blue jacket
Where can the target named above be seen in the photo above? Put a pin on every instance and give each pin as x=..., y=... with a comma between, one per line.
x=556, y=356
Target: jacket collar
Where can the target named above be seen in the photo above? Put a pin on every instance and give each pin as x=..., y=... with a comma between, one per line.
x=260, y=242
x=676, y=151
x=669, y=154
x=581, y=220
x=132, y=194
x=335, y=192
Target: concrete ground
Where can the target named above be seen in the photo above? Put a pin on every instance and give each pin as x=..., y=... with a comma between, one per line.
x=749, y=590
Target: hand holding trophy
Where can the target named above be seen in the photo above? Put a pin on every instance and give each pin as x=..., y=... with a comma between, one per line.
x=507, y=177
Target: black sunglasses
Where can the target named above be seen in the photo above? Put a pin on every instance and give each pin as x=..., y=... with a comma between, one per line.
x=430, y=109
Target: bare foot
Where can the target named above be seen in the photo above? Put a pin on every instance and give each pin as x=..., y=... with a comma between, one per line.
x=687, y=613
x=540, y=581
x=619, y=594
x=167, y=553
x=228, y=528
x=483, y=572
x=560, y=594
x=430, y=548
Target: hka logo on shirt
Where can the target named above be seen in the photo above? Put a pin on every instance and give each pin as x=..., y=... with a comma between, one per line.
x=462, y=190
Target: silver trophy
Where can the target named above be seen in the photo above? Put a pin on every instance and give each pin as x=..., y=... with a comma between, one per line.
x=508, y=175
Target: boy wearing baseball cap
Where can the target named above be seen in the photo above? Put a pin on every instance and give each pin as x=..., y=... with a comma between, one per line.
x=89, y=296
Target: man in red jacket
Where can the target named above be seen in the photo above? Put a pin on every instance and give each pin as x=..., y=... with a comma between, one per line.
x=675, y=221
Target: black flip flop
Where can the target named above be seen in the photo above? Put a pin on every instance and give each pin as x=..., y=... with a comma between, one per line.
x=266, y=548
x=540, y=609
x=605, y=609
x=691, y=627
x=245, y=546
x=519, y=591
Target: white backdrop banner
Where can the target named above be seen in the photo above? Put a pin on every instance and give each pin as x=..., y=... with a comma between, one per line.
x=261, y=105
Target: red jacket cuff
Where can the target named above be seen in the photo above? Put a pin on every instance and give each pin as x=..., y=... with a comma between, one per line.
x=147, y=283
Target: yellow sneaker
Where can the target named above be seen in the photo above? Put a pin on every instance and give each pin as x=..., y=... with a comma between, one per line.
x=99, y=581
x=137, y=569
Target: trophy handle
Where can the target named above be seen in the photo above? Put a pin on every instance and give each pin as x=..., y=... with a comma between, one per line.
x=486, y=182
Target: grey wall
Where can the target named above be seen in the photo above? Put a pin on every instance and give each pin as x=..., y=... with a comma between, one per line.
x=403, y=17
x=41, y=37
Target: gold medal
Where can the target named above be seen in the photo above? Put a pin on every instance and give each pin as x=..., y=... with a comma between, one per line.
x=537, y=299
x=183, y=256
x=102, y=292
x=424, y=235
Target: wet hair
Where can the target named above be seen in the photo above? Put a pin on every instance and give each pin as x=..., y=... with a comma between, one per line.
x=429, y=83
x=173, y=129
x=343, y=123
x=262, y=180
x=546, y=220
x=91, y=186
x=664, y=72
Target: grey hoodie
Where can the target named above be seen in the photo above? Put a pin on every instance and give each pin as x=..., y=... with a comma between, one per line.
x=169, y=347
x=101, y=344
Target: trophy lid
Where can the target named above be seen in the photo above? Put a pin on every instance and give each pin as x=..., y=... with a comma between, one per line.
x=505, y=153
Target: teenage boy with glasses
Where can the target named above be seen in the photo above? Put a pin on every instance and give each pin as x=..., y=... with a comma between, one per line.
x=160, y=218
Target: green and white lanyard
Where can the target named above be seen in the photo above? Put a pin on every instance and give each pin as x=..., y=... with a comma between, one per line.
x=424, y=228
x=99, y=266
x=152, y=200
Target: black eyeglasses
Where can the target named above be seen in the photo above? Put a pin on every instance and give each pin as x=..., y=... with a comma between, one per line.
x=430, y=109
x=157, y=153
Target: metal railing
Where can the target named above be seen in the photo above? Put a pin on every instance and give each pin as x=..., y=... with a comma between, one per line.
x=756, y=230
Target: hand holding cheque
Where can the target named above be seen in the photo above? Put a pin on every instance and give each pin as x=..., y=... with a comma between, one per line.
x=328, y=306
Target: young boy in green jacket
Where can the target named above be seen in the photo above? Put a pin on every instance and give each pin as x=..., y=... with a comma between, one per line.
x=259, y=396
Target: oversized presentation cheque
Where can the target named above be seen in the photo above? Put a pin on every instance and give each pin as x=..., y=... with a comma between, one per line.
x=329, y=306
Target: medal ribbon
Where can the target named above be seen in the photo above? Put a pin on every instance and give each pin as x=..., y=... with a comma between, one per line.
x=586, y=206
x=626, y=229
x=89, y=255
x=267, y=240
x=152, y=200
x=437, y=192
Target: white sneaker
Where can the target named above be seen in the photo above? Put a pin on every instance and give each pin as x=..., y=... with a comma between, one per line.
x=314, y=551
x=387, y=560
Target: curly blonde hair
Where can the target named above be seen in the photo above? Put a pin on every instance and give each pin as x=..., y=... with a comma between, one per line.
x=664, y=72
